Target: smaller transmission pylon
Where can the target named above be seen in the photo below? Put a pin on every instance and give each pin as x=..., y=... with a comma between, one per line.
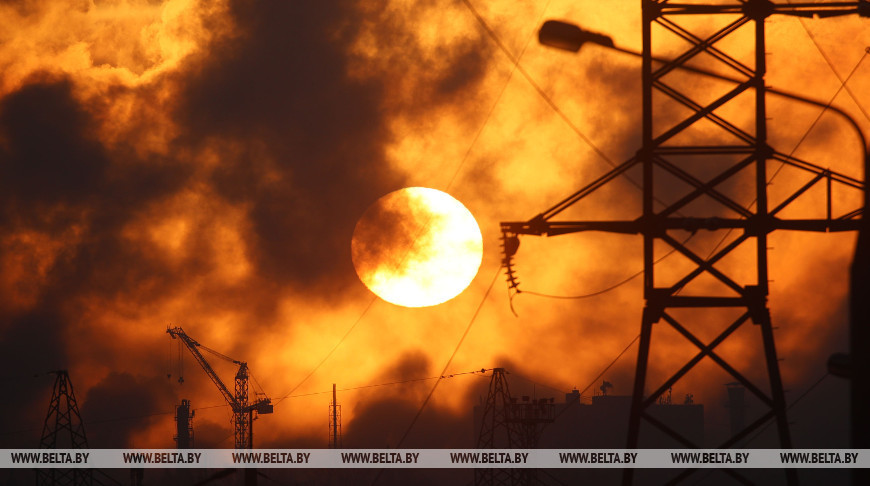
x=63, y=429
x=334, y=422
x=530, y=416
x=497, y=431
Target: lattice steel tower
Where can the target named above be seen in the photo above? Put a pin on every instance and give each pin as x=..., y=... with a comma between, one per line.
x=63, y=429
x=497, y=431
x=689, y=186
x=334, y=422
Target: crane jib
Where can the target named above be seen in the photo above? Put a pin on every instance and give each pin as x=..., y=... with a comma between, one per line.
x=237, y=400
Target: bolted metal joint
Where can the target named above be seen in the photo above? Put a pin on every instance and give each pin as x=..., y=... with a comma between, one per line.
x=651, y=10
x=757, y=304
x=655, y=307
x=758, y=10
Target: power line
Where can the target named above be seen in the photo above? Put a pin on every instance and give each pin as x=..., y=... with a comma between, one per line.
x=603, y=291
x=450, y=360
x=224, y=405
x=450, y=183
x=93, y=422
x=792, y=404
x=401, y=382
x=514, y=67
x=447, y=187
x=595, y=380
x=515, y=60
x=800, y=141
x=444, y=370
x=831, y=65
x=761, y=430
x=332, y=351
x=547, y=99
x=537, y=383
x=552, y=104
x=818, y=117
x=843, y=85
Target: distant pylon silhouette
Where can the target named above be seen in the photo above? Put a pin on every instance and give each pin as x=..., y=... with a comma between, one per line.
x=530, y=417
x=63, y=429
x=334, y=422
x=506, y=424
x=496, y=431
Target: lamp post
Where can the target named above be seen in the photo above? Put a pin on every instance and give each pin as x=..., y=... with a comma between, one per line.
x=753, y=152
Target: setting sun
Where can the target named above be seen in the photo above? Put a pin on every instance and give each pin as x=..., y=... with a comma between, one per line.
x=417, y=247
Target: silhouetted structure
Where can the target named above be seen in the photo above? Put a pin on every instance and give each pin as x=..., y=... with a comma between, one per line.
x=859, y=346
x=334, y=422
x=507, y=423
x=736, y=407
x=137, y=476
x=531, y=415
x=602, y=423
x=497, y=431
x=243, y=411
x=598, y=422
x=184, y=425
x=63, y=429
x=670, y=153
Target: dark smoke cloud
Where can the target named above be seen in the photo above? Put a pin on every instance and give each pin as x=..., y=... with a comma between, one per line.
x=390, y=233
x=211, y=435
x=31, y=347
x=55, y=174
x=134, y=398
x=301, y=147
x=50, y=155
x=380, y=229
x=280, y=90
x=384, y=421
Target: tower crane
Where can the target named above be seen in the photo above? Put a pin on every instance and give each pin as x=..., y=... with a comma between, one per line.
x=243, y=410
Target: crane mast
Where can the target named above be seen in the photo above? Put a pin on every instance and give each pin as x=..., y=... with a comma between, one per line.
x=243, y=412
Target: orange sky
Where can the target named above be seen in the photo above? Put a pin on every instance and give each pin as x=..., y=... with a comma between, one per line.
x=203, y=164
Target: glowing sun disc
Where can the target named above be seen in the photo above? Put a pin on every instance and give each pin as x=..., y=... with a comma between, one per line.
x=417, y=247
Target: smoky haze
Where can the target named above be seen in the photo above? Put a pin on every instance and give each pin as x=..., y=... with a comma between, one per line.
x=204, y=164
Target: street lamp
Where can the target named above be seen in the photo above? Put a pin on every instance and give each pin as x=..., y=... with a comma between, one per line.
x=569, y=37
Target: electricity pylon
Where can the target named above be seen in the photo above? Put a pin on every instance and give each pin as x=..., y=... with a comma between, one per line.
x=497, y=431
x=510, y=424
x=63, y=429
x=670, y=155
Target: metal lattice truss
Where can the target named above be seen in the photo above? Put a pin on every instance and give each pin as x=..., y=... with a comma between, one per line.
x=63, y=429
x=689, y=186
x=497, y=431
